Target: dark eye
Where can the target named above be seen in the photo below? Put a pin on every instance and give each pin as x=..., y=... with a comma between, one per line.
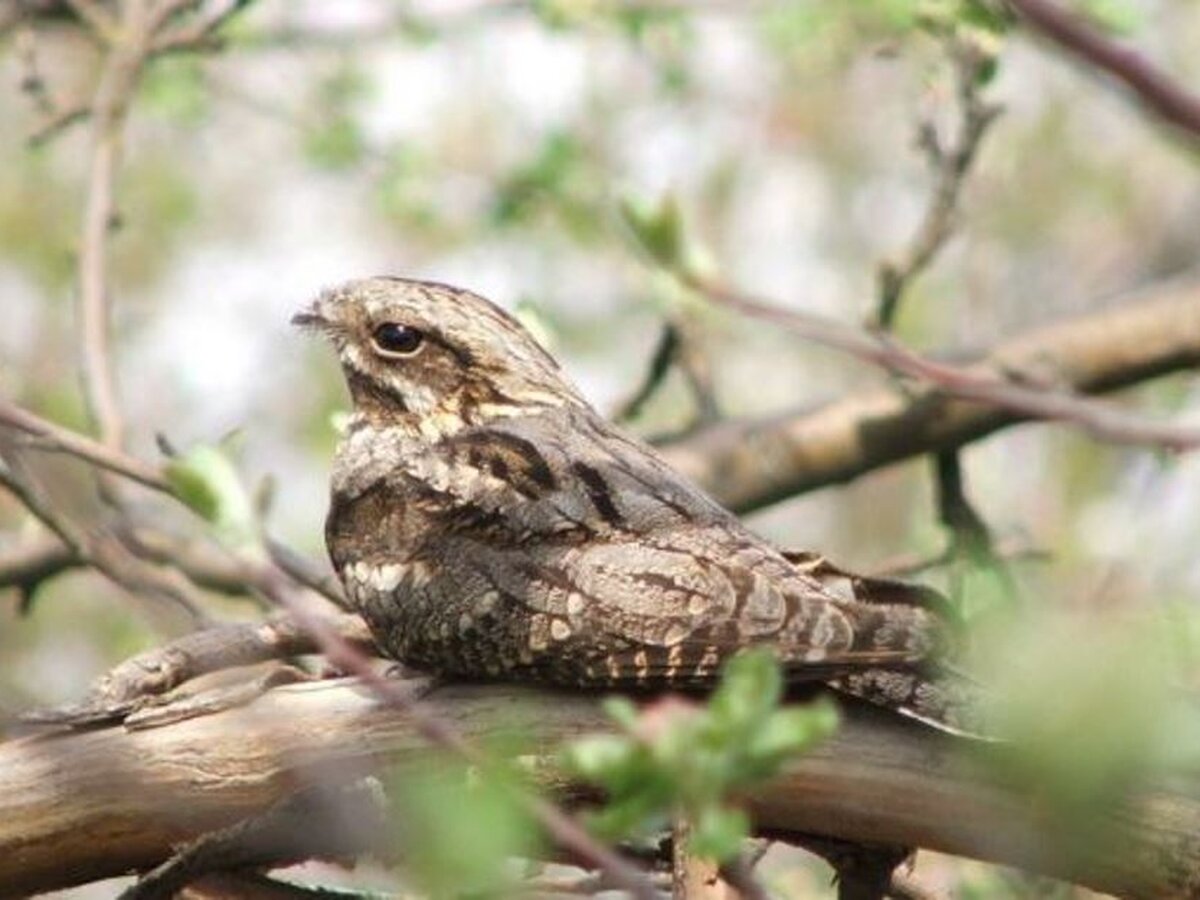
x=392, y=338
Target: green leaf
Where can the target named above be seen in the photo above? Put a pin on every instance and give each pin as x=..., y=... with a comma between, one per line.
x=790, y=731
x=599, y=757
x=658, y=227
x=206, y=480
x=717, y=833
x=458, y=828
x=623, y=711
x=751, y=686
x=679, y=759
x=559, y=15
x=333, y=138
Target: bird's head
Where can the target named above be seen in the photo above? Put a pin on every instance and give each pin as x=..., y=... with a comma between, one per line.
x=416, y=351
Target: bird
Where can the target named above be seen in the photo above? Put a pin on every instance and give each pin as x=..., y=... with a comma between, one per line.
x=488, y=523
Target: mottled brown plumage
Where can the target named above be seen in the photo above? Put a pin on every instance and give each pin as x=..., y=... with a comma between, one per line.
x=489, y=523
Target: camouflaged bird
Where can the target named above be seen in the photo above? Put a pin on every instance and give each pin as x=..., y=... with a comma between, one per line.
x=488, y=523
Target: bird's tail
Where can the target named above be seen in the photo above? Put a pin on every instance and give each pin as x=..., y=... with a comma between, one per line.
x=935, y=692
x=948, y=701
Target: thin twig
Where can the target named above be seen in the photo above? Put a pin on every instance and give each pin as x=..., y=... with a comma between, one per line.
x=665, y=351
x=118, y=80
x=97, y=18
x=304, y=571
x=907, y=565
x=950, y=166
x=200, y=35
x=678, y=346
x=970, y=537
x=96, y=548
x=740, y=876
x=57, y=438
x=692, y=877
x=31, y=563
x=131, y=44
x=246, y=885
x=1160, y=93
x=971, y=540
x=1101, y=420
x=17, y=481
x=56, y=123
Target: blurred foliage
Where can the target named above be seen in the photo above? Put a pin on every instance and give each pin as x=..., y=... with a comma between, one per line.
x=39, y=213
x=333, y=138
x=174, y=88
x=1120, y=17
x=1087, y=715
x=460, y=830
x=673, y=759
x=515, y=148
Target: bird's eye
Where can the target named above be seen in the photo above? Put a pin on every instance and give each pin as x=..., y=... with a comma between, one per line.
x=394, y=339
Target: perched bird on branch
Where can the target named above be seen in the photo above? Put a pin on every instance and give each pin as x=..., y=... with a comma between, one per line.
x=488, y=523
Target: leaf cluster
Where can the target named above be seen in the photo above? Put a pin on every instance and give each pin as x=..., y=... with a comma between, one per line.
x=677, y=759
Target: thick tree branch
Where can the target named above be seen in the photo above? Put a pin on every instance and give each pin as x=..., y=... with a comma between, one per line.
x=77, y=806
x=752, y=463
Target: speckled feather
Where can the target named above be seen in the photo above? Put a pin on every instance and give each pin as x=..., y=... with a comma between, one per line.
x=489, y=523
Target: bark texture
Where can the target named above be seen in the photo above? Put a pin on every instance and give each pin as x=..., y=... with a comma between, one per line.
x=79, y=806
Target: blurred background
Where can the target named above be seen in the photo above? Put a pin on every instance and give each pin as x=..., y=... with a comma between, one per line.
x=489, y=144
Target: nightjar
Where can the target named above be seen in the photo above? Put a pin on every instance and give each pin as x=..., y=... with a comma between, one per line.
x=488, y=523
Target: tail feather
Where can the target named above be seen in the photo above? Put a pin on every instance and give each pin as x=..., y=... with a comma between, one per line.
x=947, y=701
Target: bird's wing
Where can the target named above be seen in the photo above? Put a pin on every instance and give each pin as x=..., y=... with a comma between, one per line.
x=674, y=608
x=632, y=573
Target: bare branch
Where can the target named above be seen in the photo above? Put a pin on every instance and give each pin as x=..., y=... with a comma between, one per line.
x=98, y=548
x=971, y=540
x=250, y=886
x=752, y=463
x=30, y=564
x=131, y=43
x=665, y=351
x=678, y=345
x=15, y=478
x=304, y=571
x=96, y=16
x=55, y=437
x=118, y=80
x=1157, y=91
x=56, y=123
x=693, y=877
x=950, y=168
x=201, y=34
x=1006, y=390
x=138, y=681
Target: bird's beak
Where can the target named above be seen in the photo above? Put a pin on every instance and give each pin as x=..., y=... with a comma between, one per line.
x=310, y=319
